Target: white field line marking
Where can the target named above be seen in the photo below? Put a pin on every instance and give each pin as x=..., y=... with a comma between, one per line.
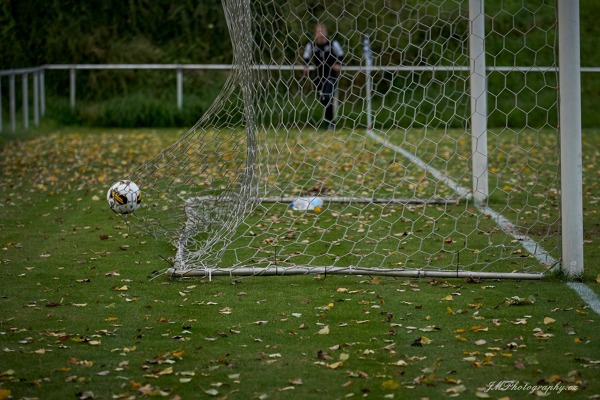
x=451, y=183
x=586, y=294
x=529, y=244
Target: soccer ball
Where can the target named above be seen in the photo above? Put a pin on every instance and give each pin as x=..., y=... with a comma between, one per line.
x=124, y=197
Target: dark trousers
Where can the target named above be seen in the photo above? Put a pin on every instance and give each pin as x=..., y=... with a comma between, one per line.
x=326, y=87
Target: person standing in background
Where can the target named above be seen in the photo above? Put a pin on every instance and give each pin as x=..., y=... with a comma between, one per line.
x=327, y=57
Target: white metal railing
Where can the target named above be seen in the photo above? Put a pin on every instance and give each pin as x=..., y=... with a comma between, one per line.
x=39, y=96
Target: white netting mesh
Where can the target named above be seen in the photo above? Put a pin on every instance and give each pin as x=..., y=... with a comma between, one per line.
x=395, y=197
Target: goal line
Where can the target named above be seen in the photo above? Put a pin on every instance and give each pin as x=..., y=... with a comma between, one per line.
x=339, y=199
x=306, y=270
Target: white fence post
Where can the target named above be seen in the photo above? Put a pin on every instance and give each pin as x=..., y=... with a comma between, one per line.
x=570, y=138
x=368, y=80
x=12, y=103
x=42, y=93
x=25, y=101
x=179, y=88
x=1, y=121
x=73, y=87
x=36, y=99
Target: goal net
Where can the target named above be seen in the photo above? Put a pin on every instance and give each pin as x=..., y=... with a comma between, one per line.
x=440, y=157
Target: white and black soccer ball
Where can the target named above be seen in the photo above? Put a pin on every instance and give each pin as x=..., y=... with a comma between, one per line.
x=124, y=197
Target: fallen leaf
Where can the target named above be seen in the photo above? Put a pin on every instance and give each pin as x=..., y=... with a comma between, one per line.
x=479, y=329
x=456, y=389
x=390, y=384
x=285, y=389
x=540, y=334
x=519, y=321
x=519, y=301
x=324, y=330
x=429, y=328
x=178, y=354
x=335, y=365
x=519, y=365
x=569, y=329
x=421, y=341
x=85, y=395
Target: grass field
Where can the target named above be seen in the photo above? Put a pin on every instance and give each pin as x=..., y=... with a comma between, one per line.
x=348, y=164
x=81, y=318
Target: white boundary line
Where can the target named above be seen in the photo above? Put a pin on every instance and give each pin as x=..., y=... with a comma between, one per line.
x=529, y=244
x=451, y=183
x=586, y=294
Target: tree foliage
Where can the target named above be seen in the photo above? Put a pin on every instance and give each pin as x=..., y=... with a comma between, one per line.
x=112, y=31
x=406, y=32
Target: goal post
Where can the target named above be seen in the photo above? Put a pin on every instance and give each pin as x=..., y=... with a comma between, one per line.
x=368, y=60
x=444, y=161
x=570, y=138
x=478, y=86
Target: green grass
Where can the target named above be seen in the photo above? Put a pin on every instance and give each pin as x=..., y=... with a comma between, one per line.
x=81, y=318
x=348, y=164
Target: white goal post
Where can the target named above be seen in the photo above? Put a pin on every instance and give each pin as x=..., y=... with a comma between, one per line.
x=570, y=138
x=444, y=161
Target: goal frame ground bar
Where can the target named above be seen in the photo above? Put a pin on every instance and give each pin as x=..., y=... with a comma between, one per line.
x=298, y=270
x=343, y=199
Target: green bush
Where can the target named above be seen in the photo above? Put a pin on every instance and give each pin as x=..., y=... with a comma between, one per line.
x=130, y=111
